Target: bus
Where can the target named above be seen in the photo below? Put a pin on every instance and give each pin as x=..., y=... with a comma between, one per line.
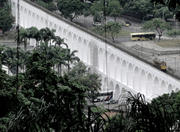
x=143, y=36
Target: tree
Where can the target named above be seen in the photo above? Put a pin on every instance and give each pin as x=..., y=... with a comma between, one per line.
x=43, y=100
x=48, y=4
x=173, y=5
x=158, y=115
x=158, y=25
x=112, y=29
x=138, y=8
x=6, y=18
x=97, y=7
x=3, y=2
x=114, y=9
x=162, y=12
x=70, y=8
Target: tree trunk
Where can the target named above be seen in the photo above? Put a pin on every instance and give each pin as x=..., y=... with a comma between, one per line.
x=59, y=69
x=112, y=36
x=160, y=36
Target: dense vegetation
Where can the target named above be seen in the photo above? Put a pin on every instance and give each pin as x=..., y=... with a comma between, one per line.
x=50, y=90
x=6, y=18
x=142, y=9
x=49, y=4
x=161, y=115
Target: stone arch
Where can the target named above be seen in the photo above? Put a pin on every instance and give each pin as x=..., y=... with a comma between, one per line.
x=34, y=18
x=79, y=39
x=130, y=75
x=111, y=66
x=118, y=69
x=42, y=19
x=117, y=92
x=55, y=26
x=75, y=36
x=60, y=29
x=105, y=83
x=101, y=60
x=64, y=32
x=93, y=54
x=111, y=86
x=156, y=88
x=136, y=80
x=50, y=25
x=46, y=22
x=84, y=41
x=143, y=82
x=13, y=3
x=25, y=10
x=21, y=8
x=124, y=72
x=89, y=54
x=29, y=13
x=69, y=34
x=149, y=86
x=37, y=16
x=33, y=14
x=163, y=86
x=170, y=88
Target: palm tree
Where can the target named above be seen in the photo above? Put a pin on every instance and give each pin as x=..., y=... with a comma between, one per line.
x=34, y=33
x=71, y=57
x=47, y=35
x=23, y=37
x=59, y=41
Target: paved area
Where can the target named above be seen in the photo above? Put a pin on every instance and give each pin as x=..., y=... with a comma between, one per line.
x=148, y=50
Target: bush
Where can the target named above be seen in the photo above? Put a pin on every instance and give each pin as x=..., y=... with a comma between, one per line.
x=173, y=32
x=50, y=6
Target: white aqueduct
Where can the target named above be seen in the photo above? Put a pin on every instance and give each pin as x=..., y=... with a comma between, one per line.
x=124, y=72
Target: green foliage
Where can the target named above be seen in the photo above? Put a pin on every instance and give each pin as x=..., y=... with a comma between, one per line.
x=138, y=8
x=172, y=4
x=160, y=11
x=45, y=100
x=70, y=8
x=6, y=18
x=97, y=7
x=114, y=9
x=161, y=115
x=112, y=29
x=156, y=24
x=97, y=17
x=48, y=4
x=173, y=32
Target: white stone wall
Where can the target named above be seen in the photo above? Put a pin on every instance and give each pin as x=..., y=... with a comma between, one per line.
x=124, y=71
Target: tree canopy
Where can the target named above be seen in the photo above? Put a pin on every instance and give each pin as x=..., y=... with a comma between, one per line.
x=70, y=8
x=6, y=19
x=158, y=25
x=44, y=99
x=111, y=28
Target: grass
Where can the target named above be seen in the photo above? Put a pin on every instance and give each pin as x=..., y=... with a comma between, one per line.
x=169, y=43
x=122, y=33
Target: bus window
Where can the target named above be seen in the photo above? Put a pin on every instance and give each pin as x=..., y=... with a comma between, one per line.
x=143, y=36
